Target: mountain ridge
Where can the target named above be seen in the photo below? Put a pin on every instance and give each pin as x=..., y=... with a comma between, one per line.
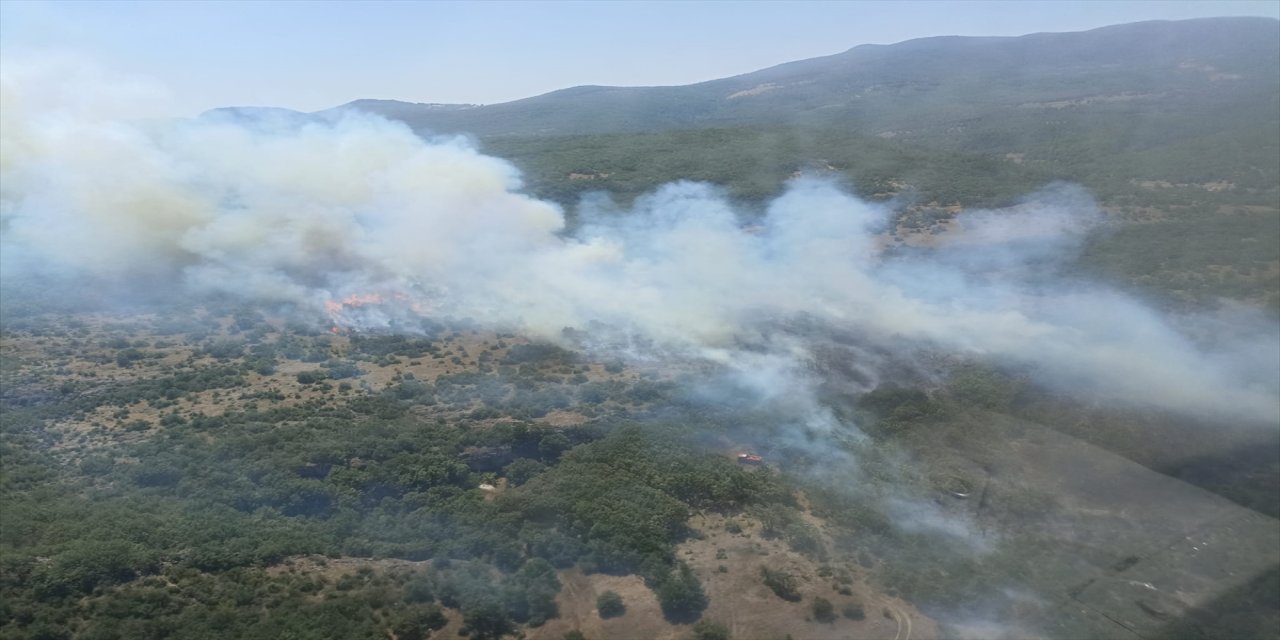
x=878, y=88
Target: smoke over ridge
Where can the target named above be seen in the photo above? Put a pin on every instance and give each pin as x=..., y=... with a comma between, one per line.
x=361, y=219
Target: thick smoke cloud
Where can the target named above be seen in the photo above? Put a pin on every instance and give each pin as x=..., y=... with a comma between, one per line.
x=360, y=220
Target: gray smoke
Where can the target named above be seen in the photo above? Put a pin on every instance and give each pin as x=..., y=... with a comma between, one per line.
x=358, y=219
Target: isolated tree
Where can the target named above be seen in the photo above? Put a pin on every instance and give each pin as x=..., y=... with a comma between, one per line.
x=855, y=611
x=610, y=605
x=681, y=595
x=708, y=630
x=782, y=584
x=823, y=611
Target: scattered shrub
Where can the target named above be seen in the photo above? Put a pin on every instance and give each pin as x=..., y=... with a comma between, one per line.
x=823, y=611
x=782, y=584
x=854, y=611
x=708, y=630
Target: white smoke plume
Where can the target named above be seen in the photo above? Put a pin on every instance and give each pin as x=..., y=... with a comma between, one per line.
x=361, y=219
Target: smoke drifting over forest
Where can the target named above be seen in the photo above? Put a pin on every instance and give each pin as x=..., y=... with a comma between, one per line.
x=359, y=220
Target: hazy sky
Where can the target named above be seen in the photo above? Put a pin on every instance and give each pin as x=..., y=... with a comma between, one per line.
x=314, y=55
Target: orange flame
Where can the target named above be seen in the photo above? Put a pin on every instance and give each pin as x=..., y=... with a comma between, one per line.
x=354, y=300
x=359, y=300
x=337, y=309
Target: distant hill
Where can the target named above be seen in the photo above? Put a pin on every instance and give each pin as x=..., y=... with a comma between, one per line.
x=1194, y=76
x=400, y=110
x=252, y=114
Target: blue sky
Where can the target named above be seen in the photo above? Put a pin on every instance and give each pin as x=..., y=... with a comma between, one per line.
x=313, y=55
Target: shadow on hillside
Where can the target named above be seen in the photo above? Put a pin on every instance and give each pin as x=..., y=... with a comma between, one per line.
x=1250, y=610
